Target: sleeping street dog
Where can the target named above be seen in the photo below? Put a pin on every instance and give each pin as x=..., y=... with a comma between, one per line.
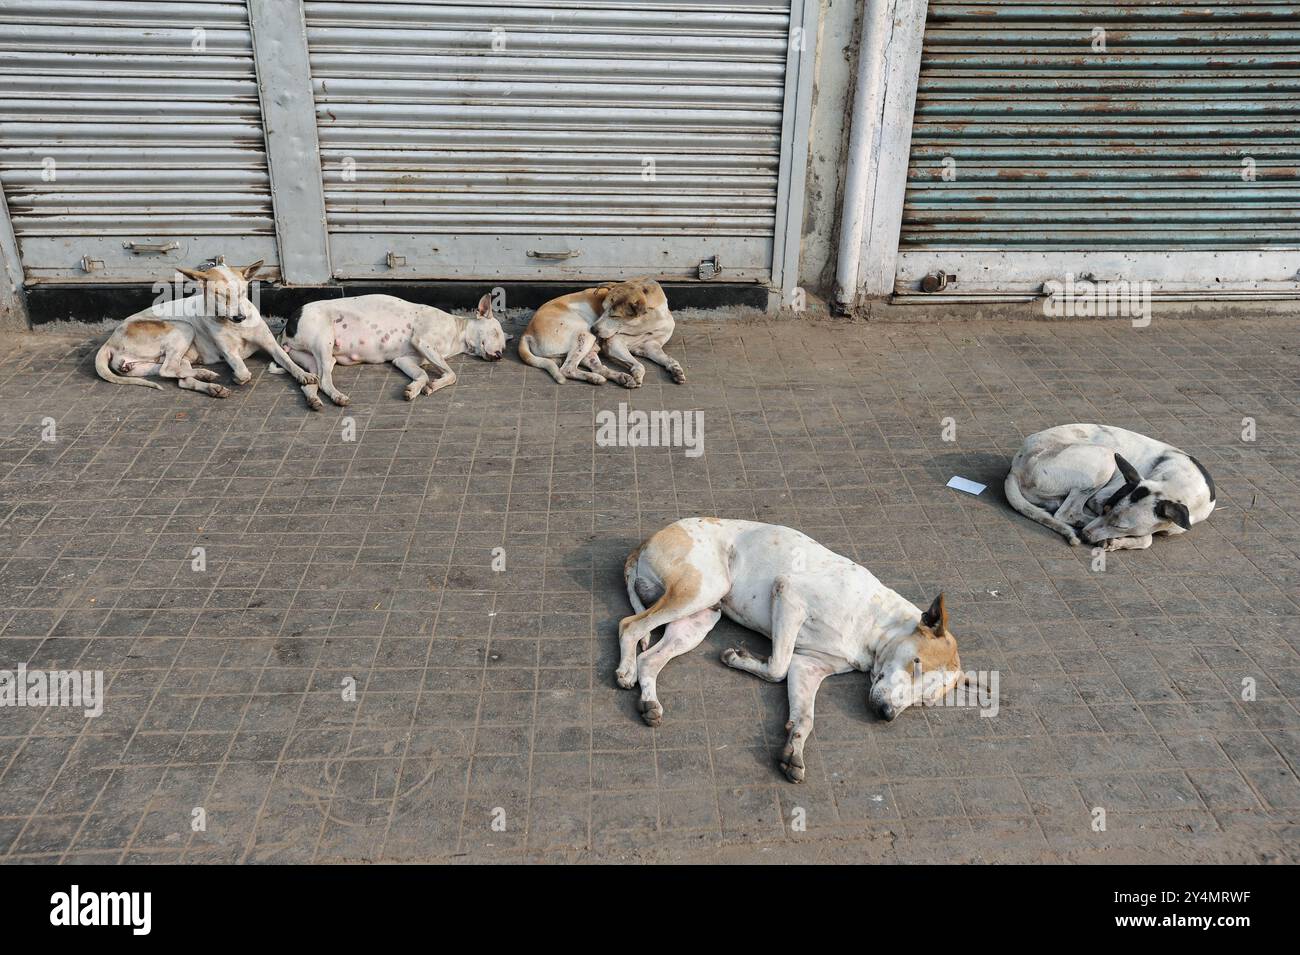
x=566, y=336
x=1107, y=486
x=373, y=329
x=823, y=613
x=170, y=338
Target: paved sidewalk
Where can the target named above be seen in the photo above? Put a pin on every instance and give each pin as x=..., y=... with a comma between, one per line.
x=486, y=724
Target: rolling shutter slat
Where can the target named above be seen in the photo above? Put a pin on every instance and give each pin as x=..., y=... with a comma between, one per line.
x=1050, y=144
x=427, y=130
x=131, y=121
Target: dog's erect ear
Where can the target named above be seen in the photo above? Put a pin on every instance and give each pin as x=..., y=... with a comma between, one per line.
x=1176, y=512
x=485, y=306
x=936, y=617
x=194, y=275
x=251, y=270
x=1130, y=473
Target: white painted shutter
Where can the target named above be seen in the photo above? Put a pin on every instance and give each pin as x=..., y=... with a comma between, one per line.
x=131, y=122
x=506, y=139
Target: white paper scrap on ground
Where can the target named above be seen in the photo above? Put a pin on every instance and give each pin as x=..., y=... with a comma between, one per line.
x=962, y=484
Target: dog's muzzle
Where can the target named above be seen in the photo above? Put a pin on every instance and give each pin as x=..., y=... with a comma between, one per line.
x=887, y=711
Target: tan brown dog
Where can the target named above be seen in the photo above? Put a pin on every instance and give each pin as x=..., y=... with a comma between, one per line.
x=624, y=319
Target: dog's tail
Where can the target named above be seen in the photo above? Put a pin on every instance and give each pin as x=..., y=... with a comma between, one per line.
x=629, y=575
x=291, y=325
x=104, y=371
x=1017, y=499
x=526, y=353
x=287, y=335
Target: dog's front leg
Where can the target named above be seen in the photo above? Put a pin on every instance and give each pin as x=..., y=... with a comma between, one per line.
x=788, y=615
x=617, y=349
x=655, y=352
x=1128, y=543
x=265, y=340
x=238, y=369
x=805, y=676
x=446, y=377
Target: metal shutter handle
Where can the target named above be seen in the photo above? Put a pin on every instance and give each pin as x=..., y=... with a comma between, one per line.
x=538, y=254
x=138, y=247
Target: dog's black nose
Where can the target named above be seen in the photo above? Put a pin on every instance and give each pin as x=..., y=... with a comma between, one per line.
x=887, y=711
x=495, y=356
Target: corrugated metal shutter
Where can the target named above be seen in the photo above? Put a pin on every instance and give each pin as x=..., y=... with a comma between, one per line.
x=495, y=138
x=131, y=122
x=1029, y=137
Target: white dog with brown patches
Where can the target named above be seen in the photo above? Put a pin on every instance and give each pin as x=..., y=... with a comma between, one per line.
x=168, y=339
x=823, y=613
x=373, y=329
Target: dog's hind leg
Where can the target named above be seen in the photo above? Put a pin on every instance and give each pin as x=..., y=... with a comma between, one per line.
x=175, y=365
x=805, y=677
x=592, y=363
x=682, y=636
x=1035, y=513
x=413, y=370
x=1071, y=512
x=584, y=344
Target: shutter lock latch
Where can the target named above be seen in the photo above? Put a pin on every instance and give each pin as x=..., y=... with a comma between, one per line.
x=710, y=268
x=937, y=281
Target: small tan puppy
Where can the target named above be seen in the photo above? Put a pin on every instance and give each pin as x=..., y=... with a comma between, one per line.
x=624, y=319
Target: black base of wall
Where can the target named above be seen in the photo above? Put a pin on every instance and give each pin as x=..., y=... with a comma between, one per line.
x=97, y=303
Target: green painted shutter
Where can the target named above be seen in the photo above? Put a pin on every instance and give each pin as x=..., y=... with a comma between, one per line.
x=1182, y=133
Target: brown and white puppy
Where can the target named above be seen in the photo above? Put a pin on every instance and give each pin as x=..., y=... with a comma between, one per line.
x=373, y=329
x=169, y=338
x=622, y=319
x=824, y=614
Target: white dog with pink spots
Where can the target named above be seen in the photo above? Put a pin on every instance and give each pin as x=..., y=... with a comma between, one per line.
x=372, y=329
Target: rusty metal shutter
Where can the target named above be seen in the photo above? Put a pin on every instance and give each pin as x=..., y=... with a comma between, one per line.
x=505, y=139
x=1183, y=133
x=127, y=128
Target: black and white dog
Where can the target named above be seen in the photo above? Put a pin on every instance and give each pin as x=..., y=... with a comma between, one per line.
x=1108, y=486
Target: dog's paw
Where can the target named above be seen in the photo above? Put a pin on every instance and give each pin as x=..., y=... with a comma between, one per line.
x=205, y=374
x=651, y=712
x=678, y=374
x=627, y=381
x=219, y=391
x=793, y=767
x=792, y=756
x=428, y=389
x=625, y=678
x=732, y=655
x=243, y=379
x=342, y=400
x=314, y=404
x=1073, y=540
x=596, y=379
x=309, y=380
x=277, y=370
x=413, y=391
